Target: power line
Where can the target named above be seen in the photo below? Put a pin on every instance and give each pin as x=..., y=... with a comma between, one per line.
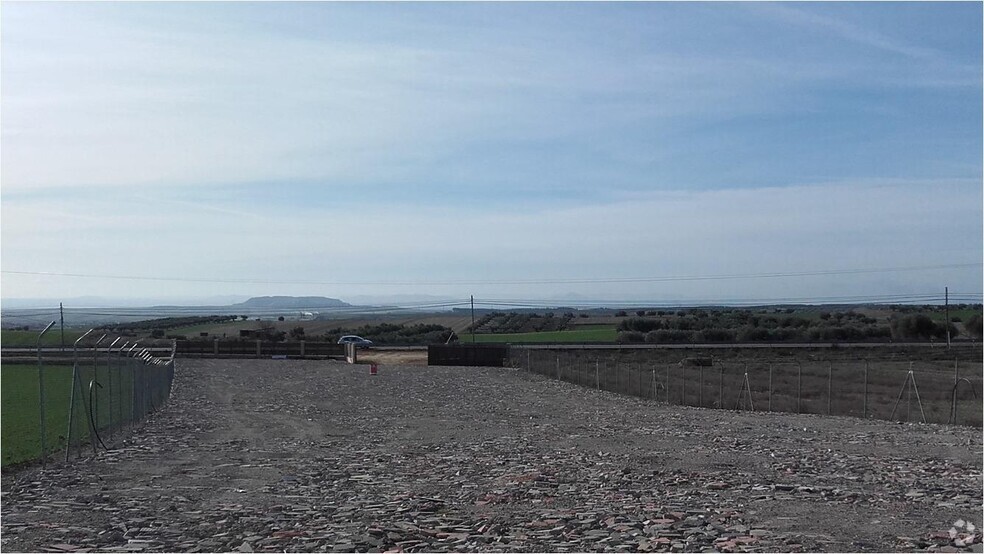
x=545, y=281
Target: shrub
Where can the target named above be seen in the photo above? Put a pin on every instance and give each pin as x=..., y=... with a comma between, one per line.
x=668, y=336
x=621, y=313
x=716, y=334
x=640, y=325
x=641, y=313
x=917, y=326
x=752, y=334
x=975, y=326
x=631, y=336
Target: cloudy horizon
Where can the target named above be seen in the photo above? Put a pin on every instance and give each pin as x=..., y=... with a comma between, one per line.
x=715, y=152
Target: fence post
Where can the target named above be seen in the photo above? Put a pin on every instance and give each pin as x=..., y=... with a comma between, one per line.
x=42, y=397
x=215, y=347
x=770, y=387
x=830, y=374
x=683, y=385
x=616, y=376
x=864, y=412
x=131, y=365
x=667, y=384
x=558, y=365
x=119, y=379
x=302, y=349
x=71, y=405
x=641, y=389
x=721, y=390
x=700, y=386
x=597, y=376
x=908, y=398
x=109, y=377
x=95, y=398
x=799, y=387
x=654, y=382
x=258, y=347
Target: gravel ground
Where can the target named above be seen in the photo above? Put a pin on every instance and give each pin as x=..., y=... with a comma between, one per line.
x=267, y=455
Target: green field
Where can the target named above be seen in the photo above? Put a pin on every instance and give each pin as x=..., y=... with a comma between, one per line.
x=20, y=439
x=19, y=414
x=12, y=339
x=595, y=333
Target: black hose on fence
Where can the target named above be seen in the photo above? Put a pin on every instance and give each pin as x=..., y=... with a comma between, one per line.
x=91, y=419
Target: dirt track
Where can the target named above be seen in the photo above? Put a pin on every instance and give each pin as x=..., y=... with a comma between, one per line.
x=256, y=455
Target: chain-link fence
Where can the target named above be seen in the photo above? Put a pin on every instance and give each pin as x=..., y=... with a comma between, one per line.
x=81, y=399
x=927, y=391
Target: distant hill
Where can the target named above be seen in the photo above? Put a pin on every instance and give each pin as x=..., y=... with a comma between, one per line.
x=292, y=302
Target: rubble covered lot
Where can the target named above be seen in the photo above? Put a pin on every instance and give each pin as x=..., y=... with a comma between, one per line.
x=274, y=455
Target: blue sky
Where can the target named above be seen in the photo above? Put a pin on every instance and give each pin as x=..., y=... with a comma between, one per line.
x=358, y=145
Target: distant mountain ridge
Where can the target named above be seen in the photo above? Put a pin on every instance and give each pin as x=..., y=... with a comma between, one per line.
x=292, y=302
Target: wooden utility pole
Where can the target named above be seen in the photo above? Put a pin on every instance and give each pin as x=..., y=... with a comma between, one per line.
x=473, y=317
x=61, y=313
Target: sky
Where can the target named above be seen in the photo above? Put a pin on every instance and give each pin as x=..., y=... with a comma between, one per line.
x=671, y=152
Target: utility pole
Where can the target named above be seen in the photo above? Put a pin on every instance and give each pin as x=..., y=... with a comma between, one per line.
x=473, y=317
x=61, y=313
x=946, y=292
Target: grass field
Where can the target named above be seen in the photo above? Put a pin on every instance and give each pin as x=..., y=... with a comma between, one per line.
x=20, y=437
x=595, y=333
x=13, y=339
x=19, y=410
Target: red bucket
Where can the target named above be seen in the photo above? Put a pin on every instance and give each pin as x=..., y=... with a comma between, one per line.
x=372, y=369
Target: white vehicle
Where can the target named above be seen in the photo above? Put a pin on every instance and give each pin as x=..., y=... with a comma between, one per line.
x=354, y=339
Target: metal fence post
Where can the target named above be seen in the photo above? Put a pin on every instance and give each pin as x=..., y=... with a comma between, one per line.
x=667, y=384
x=721, y=390
x=864, y=411
x=131, y=363
x=109, y=377
x=597, y=376
x=770, y=387
x=71, y=405
x=616, y=376
x=119, y=380
x=700, y=386
x=683, y=385
x=641, y=388
x=830, y=374
x=908, y=398
x=95, y=398
x=799, y=387
x=41, y=410
x=654, y=382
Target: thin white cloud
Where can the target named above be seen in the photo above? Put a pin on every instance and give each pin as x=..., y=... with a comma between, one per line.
x=850, y=31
